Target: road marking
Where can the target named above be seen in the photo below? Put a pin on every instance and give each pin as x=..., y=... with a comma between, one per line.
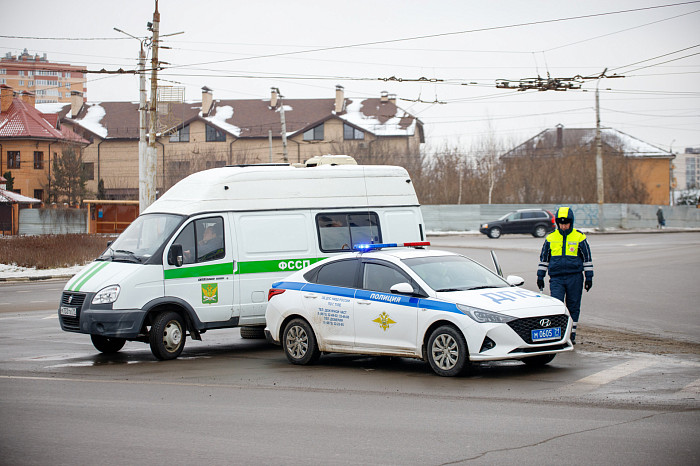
x=52, y=316
x=693, y=387
x=44, y=301
x=606, y=376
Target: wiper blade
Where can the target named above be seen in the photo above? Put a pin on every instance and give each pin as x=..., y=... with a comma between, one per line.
x=449, y=289
x=129, y=253
x=482, y=287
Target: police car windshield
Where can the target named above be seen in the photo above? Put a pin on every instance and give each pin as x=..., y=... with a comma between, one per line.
x=454, y=273
x=142, y=238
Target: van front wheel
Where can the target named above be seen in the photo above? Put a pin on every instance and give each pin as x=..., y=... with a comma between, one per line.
x=167, y=337
x=107, y=345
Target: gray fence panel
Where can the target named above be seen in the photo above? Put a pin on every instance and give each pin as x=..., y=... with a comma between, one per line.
x=52, y=221
x=468, y=217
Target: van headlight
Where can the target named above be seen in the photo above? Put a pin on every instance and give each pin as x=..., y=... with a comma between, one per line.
x=106, y=295
x=483, y=316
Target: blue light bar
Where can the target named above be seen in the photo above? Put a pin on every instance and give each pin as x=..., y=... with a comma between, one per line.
x=369, y=247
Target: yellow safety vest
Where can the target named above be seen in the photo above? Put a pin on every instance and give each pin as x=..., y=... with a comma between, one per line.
x=556, y=243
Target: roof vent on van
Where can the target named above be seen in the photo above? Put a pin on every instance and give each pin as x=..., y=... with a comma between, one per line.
x=330, y=159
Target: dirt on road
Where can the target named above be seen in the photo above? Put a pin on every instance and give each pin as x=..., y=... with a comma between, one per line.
x=602, y=339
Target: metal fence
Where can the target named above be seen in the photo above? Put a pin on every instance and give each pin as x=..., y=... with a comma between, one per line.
x=465, y=217
x=468, y=217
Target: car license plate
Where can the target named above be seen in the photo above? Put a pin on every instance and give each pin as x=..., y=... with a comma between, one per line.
x=542, y=334
x=69, y=311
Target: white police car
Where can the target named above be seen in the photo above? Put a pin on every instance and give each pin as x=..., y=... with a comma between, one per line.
x=408, y=301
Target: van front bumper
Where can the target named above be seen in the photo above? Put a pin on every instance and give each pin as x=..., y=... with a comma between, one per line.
x=99, y=319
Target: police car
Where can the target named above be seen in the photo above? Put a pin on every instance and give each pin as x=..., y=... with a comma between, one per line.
x=406, y=300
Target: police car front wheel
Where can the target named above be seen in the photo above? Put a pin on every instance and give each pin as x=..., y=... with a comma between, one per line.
x=299, y=343
x=447, y=351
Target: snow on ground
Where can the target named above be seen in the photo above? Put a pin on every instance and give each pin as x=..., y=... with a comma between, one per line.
x=14, y=271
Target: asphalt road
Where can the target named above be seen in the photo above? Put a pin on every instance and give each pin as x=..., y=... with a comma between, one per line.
x=234, y=401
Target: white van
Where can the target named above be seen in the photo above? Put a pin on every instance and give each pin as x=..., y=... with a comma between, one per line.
x=204, y=255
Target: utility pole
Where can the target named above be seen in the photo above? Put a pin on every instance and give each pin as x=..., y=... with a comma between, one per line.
x=284, y=127
x=600, y=187
x=147, y=185
x=143, y=121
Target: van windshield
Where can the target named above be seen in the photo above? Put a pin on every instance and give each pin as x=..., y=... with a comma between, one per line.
x=142, y=238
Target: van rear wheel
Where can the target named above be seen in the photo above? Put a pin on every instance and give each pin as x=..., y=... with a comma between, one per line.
x=253, y=333
x=167, y=336
x=107, y=345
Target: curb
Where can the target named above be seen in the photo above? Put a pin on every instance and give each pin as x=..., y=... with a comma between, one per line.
x=33, y=279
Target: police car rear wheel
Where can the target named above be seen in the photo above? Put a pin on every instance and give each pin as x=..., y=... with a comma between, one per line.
x=495, y=233
x=167, y=336
x=447, y=351
x=299, y=343
x=541, y=360
x=107, y=345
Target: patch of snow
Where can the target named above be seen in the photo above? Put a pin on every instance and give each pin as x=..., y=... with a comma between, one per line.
x=15, y=271
x=92, y=120
x=287, y=108
x=222, y=114
x=391, y=127
x=51, y=107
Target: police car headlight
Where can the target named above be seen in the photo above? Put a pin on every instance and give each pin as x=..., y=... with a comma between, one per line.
x=106, y=295
x=483, y=316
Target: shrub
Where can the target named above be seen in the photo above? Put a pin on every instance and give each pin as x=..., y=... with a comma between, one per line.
x=51, y=251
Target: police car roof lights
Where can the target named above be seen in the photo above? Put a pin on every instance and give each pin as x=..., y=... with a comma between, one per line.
x=369, y=247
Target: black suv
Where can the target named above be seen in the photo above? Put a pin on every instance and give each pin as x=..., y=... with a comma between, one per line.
x=537, y=222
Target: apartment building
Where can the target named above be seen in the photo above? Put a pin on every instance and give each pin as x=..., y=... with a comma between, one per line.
x=49, y=82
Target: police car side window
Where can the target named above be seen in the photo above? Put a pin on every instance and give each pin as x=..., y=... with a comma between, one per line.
x=379, y=277
x=339, y=273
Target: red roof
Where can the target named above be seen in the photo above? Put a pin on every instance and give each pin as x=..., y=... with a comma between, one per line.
x=24, y=121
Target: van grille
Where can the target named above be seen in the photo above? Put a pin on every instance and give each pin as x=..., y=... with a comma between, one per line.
x=73, y=300
x=523, y=327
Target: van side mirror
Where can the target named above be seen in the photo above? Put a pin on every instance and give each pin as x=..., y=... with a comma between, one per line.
x=175, y=255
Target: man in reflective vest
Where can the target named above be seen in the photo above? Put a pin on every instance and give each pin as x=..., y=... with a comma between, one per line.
x=565, y=254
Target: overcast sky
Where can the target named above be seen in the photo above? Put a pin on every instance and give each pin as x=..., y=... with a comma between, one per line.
x=229, y=46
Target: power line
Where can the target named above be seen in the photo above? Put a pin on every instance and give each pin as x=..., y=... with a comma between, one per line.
x=445, y=34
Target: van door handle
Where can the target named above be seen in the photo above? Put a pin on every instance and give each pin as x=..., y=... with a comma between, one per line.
x=310, y=296
x=363, y=302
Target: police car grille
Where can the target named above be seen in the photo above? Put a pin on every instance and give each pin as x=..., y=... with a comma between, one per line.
x=523, y=327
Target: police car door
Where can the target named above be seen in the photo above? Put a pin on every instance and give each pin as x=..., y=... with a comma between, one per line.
x=205, y=279
x=328, y=302
x=384, y=322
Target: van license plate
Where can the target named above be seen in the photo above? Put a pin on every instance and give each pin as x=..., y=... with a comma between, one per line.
x=69, y=311
x=542, y=334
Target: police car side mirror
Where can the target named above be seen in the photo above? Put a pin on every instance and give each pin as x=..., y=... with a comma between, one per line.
x=514, y=280
x=402, y=288
x=175, y=255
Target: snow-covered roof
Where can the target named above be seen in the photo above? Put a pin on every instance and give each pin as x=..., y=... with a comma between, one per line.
x=11, y=197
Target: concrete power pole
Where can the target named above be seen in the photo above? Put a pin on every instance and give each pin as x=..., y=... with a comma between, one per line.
x=284, y=128
x=147, y=185
x=143, y=124
x=600, y=187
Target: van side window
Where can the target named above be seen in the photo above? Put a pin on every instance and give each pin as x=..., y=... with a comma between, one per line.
x=379, y=277
x=202, y=240
x=210, y=239
x=341, y=231
x=339, y=273
x=186, y=239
